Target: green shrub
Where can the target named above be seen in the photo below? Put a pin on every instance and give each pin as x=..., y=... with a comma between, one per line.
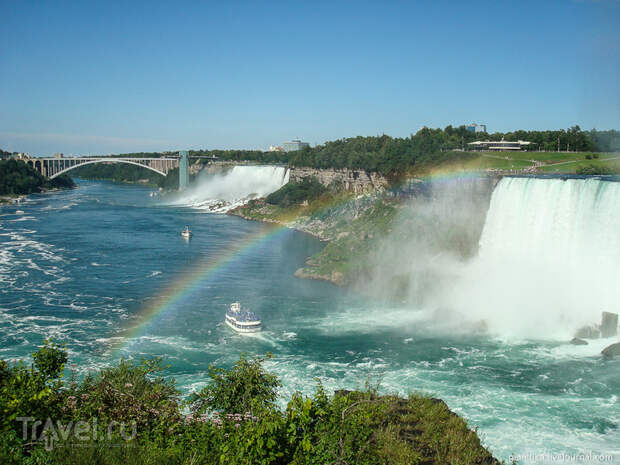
x=126, y=393
x=30, y=391
x=294, y=193
x=246, y=387
x=593, y=169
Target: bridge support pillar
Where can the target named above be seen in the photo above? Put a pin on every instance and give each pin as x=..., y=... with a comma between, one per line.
x=183, y=170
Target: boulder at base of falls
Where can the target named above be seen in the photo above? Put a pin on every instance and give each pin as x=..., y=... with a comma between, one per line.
x=612, y=350
x=588, y=332
x=578, y=342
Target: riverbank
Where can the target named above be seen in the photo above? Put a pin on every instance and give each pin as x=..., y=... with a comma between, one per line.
x=9, y=199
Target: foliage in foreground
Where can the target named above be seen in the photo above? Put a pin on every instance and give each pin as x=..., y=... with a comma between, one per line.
x=130, y=414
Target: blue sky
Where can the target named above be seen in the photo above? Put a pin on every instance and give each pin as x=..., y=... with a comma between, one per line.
x=112, y=77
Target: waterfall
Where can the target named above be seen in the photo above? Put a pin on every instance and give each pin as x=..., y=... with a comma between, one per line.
x=549, y=258
x=231, y=188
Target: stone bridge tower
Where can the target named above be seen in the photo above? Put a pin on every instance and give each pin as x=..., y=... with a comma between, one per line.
x=183, y=170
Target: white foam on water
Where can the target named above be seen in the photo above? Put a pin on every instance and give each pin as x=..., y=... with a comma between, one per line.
x=355, y=320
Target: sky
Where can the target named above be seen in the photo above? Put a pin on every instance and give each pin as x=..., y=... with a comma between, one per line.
x=115, y=77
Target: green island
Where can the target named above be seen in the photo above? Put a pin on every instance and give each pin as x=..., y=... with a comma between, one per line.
x=128, y=413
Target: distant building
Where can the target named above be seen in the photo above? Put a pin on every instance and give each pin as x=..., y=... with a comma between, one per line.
x=294, y=144
x=58, y=155
x=473, y=127
x=275, y=148
x=498, y=146
x=21, y=156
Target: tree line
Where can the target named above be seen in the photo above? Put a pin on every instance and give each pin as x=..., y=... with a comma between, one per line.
x=391, y=155
x=384, y=154
x=18, y=178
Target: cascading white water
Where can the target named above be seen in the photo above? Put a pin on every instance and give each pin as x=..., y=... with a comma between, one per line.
x=224, y=191
x=549, y=258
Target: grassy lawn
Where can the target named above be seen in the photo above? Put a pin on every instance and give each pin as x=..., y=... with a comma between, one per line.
x=554, y=162
x=570, y=168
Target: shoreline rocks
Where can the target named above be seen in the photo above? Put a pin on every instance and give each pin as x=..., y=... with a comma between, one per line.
x=612, y=350
x=607, y=328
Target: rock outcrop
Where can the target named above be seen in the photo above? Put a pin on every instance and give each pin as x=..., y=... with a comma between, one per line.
x=607, y=328
x=335, y=277
x=588, y=332
x=578, y=342
x=609, y=324
x=357, y=181
x=612, y=350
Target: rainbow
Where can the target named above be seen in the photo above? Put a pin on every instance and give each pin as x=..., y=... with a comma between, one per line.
x=190, y=282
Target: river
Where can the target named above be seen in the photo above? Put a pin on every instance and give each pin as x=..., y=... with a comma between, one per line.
x=103, y=269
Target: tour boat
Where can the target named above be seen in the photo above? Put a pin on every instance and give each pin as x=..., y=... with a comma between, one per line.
x=242, y=320
x=186, y=232
x=19, y=212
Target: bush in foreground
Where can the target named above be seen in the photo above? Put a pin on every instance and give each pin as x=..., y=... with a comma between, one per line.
x=130, y=414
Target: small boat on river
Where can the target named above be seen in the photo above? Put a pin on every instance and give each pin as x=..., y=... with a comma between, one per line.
x=242, y=320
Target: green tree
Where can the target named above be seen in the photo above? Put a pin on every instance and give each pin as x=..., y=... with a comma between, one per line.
x=246, y=387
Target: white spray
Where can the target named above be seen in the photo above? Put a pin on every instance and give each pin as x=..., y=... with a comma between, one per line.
x=224, y=191
x=549, y=258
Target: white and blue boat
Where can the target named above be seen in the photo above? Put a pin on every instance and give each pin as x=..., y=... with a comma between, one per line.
x=242, y=320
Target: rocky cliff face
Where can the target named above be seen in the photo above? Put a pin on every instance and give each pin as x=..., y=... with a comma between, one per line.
x=356, y=181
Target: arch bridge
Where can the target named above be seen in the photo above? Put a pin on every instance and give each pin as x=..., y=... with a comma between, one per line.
x=55, y=166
